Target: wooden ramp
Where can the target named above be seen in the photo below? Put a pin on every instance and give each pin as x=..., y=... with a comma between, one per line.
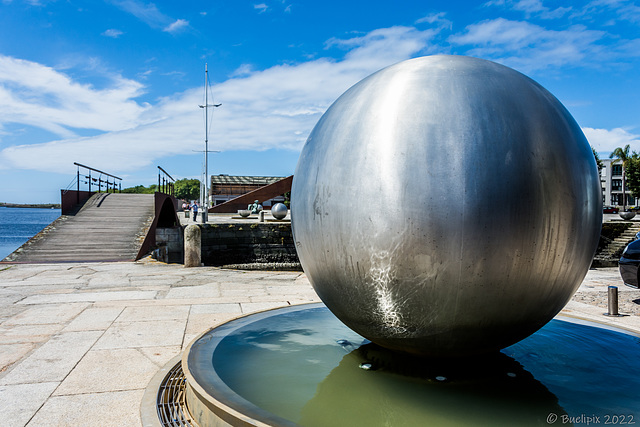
x=108, y=227
x=261, y=194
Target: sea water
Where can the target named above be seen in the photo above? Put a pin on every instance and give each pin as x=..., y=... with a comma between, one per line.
x=18, y=225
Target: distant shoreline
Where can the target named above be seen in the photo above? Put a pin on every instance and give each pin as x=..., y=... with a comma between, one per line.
x=30, y=205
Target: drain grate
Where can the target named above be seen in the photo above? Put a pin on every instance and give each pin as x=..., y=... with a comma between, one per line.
x=172, y=407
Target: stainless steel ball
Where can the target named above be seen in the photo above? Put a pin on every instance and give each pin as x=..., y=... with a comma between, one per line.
x=446, y=205
x=279, y=211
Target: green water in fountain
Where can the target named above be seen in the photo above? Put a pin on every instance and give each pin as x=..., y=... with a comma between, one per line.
x=306, y=367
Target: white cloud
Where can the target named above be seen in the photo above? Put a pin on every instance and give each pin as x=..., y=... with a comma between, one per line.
x=262, y=109
x=385, y=46
x=150, y=15
x=112, y=32
x=261, y=8
x=272, y=108
x=39, y=96
x=528, y=47
x=606, y=140
x=146, y=12
x=176, y=26
x=623, y=10
x=242, y=71
x=436, y=18
x=532, y=8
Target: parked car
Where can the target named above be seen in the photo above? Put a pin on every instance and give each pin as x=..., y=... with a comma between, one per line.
x=609, y=209
x=629, y=263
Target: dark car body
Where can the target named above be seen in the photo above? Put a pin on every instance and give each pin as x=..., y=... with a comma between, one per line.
x=629, y=263
x=609, y=209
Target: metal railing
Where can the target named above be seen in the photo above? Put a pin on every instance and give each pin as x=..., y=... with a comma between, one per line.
x=165, y=182
x=92, y=180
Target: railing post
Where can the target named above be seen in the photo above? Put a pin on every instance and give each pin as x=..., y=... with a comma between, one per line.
x=165, y=185
x=107, y=183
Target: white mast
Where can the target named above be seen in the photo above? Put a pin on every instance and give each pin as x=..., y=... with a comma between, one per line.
x=206, y=106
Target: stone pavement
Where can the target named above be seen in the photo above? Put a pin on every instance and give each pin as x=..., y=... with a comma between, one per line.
x=79, y=343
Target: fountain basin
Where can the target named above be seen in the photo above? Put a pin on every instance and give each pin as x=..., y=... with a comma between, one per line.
x=301, y=366
x=627, y=215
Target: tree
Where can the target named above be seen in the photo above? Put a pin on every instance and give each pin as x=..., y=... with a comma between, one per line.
x=187, y=189
x=622, y=155
x=598, y=161
x=141, y=189
x=632, y=171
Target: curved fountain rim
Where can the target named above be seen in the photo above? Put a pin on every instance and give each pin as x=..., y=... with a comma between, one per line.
x=236, y=410
x=227, y=404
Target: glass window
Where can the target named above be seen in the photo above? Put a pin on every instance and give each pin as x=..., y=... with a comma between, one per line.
x=616, y=170
x=616, y=185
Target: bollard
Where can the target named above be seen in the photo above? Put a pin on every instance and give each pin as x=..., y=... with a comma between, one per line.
x=261, y=216
x=192, y=246
x=613, y=302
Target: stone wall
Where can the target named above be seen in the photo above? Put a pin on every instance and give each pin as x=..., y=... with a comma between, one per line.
x=261, y=243
x=169, y=245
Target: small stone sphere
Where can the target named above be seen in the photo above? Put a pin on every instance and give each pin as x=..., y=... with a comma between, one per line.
x=446, y=206
x=279, y=211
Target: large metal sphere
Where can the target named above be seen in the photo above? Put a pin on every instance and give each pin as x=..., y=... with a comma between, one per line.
x=446, y=205
x=279, y=211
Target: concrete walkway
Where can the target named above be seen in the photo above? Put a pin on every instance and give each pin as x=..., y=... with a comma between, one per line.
x=80, y=342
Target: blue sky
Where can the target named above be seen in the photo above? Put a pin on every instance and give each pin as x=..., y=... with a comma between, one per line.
x=116, y=84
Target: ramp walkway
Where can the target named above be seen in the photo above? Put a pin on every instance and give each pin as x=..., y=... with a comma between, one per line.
x=108, y=227
x=261, y=194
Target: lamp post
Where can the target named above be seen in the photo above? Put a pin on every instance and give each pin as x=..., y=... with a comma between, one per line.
x=206, y=106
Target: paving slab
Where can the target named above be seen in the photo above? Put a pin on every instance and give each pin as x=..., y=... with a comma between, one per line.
x=53, y=360
x=18, y=403
x=113, y=409
x=14, y=334
x=88, y=297
x=154, y=313
x=200, y=291
x=119, y=369
x=11, y=353
x=161, y=333
x=46, y=314
x=232, y=308
x=94, y=319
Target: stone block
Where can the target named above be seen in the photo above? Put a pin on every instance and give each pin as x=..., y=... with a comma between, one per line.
x=192, y=246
